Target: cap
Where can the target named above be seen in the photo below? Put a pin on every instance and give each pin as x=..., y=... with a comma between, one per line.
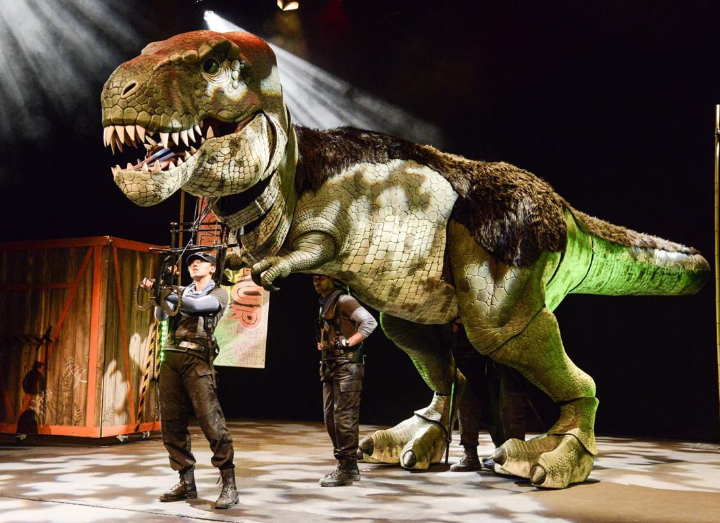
x=204, y=256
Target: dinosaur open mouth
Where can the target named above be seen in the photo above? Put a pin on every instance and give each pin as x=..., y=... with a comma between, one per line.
x=167, y=150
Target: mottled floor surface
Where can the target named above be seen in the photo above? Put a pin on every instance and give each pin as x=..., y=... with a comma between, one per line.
x=279, y=464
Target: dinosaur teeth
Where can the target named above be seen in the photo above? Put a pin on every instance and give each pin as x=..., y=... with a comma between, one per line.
x=120, y=130
x=156, y=167
x=130, y=130
x=198, y=130
x=149, y=139
x=184, y=136
x=191, y=134
x=164, y=138
x=176, y=138
x=210, y=133
x=187, y=155
x=145, y=168
x=171, y=165
x=140, y=132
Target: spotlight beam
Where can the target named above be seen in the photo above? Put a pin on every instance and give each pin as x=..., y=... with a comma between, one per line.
x=321, y=100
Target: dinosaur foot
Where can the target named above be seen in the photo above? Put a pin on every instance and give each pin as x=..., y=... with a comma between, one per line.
x=415, y=443
x=563, y=456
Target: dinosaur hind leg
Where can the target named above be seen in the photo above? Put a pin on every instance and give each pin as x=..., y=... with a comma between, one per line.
x=565, y=454
x=420, y=440
x=503, y=309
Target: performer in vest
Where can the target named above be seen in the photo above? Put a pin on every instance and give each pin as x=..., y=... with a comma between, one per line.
x=342, y=326
x=187, y=377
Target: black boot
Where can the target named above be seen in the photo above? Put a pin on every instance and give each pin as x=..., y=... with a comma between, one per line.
x=185, y=489
x=354, y=470
x=468, y=462
x=229, y=494
x=343, y=475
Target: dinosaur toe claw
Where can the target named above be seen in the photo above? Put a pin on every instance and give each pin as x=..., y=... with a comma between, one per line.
x=538, y=475
x=500, y=456
x=367, y=445
x=409, y=459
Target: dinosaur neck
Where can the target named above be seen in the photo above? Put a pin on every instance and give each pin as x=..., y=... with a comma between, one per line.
x=265, y=223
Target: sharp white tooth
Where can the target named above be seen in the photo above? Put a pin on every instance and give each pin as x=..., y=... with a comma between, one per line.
x=120, y=130
x=193, y=150
x=184, y=136
x=176, y=138
x=118, y=143
x=130, y=129
x=210, y=133
x=171, y=165
x=140, y=132
x=112, y=144
x=179, y=162
x=191, y=134
x=147, y=146
x=105, y=136
x=164, y=138
x=156, y=167
x=145, y=168
x=149, y=140
x=129, y=167
x=198, y=130
x=110, y=133
x=202, y=141
x=187, y=155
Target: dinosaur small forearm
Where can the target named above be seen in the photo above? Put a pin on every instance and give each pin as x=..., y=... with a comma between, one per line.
x=312, y=251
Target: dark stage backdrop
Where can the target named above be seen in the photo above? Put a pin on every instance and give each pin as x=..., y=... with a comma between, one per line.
x=612, y=104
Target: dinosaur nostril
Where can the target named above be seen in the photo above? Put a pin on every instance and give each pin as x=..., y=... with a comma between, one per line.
x=129, y=88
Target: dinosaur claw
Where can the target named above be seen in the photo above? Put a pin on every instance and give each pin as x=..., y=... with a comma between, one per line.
x=367, y=445
x=409, y=459
x=270, y=287
x=500, y=456
x=538, y=475
x=255, y=276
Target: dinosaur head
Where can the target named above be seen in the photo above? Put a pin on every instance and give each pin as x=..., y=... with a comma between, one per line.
x=206, y=111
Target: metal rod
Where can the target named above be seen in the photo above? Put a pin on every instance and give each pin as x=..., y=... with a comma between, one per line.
x=717, y=238
x=180, y=237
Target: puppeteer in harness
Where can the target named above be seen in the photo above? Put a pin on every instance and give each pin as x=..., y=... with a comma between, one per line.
x=187, y=378
x=341, y=327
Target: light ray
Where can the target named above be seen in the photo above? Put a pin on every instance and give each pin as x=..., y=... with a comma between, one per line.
x=321, y=100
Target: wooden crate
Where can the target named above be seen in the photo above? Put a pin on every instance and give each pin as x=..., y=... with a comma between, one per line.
x=73, y=348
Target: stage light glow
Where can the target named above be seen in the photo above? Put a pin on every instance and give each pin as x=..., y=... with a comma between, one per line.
x=289, y=6
x=321, y=100
x=53, y=55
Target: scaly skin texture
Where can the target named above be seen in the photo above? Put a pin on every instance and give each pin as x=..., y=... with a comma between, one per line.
x=422, y=236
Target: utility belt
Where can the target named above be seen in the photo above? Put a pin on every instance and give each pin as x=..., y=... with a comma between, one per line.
x=352, y=354
x=196, y=349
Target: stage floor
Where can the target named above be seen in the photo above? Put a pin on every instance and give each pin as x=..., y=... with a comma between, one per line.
x=279, y=465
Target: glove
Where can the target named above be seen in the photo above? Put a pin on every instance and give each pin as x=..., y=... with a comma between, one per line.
x=342, y=343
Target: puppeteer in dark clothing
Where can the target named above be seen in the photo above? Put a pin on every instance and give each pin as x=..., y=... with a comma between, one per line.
x=187, y=381
x=342, y=326
x=494, y=398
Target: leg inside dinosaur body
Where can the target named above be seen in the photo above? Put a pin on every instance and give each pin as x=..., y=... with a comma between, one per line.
x=420, y=440
x=505, y=317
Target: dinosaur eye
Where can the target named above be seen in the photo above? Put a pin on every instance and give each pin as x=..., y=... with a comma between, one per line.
x=211, y=66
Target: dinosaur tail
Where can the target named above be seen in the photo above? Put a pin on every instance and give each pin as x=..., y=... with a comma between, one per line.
x=625, y=262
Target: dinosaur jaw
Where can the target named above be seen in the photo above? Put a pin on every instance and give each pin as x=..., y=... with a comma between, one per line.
x=170, y=161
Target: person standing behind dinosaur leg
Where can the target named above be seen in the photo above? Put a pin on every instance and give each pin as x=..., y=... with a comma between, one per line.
x=342, y=326
x=187, y=377
x=493, y=399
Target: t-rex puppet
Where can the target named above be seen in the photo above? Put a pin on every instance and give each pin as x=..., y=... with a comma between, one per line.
x=421, y=235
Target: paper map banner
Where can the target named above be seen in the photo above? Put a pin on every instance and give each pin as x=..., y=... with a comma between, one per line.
x=242, y=331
